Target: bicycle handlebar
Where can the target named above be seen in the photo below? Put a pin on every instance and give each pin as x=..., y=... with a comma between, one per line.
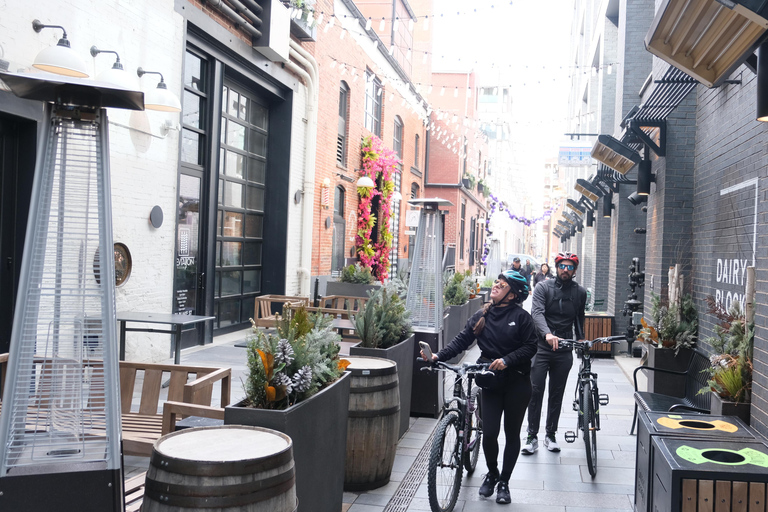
x=461, y=369
x=587, y=344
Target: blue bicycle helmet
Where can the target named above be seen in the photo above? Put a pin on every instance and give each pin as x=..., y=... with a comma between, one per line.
x=517, y=284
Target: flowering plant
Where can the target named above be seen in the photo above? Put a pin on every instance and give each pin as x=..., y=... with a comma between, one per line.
x=380, y=164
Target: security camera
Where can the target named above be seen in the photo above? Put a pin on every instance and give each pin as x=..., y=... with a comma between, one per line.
x=640, y=231
x=636, y=198
x=644, y=208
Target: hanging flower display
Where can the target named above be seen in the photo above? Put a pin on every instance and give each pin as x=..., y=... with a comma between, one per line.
x=501, y=206
x=380, y=164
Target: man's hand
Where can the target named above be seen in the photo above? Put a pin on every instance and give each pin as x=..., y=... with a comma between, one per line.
x=497, y=364
x=553, y=341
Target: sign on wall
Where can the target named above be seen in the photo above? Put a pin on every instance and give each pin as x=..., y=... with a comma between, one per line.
x=735, y=241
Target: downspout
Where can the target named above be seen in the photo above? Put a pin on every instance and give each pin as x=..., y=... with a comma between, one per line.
x=309, y=72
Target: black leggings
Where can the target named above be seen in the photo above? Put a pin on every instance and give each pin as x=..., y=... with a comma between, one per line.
x=513, y=402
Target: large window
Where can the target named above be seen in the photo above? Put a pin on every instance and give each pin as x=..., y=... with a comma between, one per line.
x=373, y=93
x=341, y=140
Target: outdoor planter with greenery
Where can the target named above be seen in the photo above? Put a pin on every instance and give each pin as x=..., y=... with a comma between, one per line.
x=297, y=385
x=457, y=289
x=355, y=281
x=384, y=327
x=468, y=180
x=730, y=372
x=671, y=337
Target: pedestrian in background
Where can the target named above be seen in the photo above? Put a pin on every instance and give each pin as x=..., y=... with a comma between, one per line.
x=530, y=270
x=542, y=275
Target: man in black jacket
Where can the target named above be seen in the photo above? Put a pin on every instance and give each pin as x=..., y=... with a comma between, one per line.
x=558, y=312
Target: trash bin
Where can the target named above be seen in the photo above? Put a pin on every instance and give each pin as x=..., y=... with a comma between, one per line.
x=689, y=426
x=707, y=474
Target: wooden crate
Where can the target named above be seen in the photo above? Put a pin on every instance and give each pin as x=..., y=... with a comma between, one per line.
x=598, y=325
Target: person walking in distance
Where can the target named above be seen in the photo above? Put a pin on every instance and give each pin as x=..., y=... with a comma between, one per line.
x=542, y=275
x=558, y=312
x=506, y=337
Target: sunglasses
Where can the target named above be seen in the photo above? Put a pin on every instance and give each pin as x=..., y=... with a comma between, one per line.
x=501, y=284
x=563, y=266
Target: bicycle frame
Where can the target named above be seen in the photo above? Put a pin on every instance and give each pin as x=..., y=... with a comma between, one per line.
x=465, y=407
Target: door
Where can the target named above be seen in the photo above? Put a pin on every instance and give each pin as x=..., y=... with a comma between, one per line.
x=17, y=169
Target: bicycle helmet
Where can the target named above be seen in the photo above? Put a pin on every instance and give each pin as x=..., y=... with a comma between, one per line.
x=517, y=284
x=571, y=256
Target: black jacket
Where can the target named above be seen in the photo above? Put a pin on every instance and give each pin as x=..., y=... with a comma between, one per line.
x=540, y=276
x=509, y=333
x=558, y=308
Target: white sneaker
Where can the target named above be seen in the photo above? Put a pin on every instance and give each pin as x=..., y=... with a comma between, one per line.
x=551, y=444
x=531, y=445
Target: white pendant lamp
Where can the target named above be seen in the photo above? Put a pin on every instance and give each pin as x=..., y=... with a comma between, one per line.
x=60, y=59
x=160, y=98
x=365, y=182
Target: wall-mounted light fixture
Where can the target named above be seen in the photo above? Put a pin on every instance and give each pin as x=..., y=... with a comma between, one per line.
x=615, y=154
x=115, y=75
x=636, y=198
x=159, y=98
x=60, y=59
x=607, y=205
x=576, y=207
x=365, y=182
x=590, y=218
x=588, y=190
x=644, y=178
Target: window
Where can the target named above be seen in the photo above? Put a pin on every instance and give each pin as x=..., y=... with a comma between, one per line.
x=414, y=191
x=464, y=163
x=416, y=143
x=397, y=142
x=461, y=230
x=341, y=140
x=373, y=93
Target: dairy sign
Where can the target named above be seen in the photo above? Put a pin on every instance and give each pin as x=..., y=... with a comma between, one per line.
x=735, y=241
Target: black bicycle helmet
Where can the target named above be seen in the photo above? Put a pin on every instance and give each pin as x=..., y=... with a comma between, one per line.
x=517, y=284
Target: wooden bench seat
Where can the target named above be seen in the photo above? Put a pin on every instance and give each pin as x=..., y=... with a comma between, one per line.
x=265, y=314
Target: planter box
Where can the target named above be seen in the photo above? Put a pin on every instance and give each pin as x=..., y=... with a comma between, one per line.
x=721, y=407
x=349, y=289
x=301, y=30
x=672, y=385
x=457, y=319
x=402, y=354
x=318, y=428
x=473, y=306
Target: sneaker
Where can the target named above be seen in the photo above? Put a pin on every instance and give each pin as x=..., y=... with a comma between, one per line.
x=531, y=445
x=502, y=493
x=550, y=443
x=488, y=484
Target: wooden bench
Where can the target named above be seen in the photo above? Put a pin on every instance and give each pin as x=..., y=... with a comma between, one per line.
x=143, y=424
x=343, y=302
x=264, y=310
x=695, y=376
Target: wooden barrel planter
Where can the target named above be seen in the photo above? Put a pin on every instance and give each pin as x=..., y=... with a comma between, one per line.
x=227, y=468
x=373, y=423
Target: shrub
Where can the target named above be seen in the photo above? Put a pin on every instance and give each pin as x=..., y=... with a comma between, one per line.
x=356, y=274
x=384, y=320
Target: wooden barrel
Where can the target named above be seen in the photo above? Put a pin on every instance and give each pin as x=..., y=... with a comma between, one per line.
x=373, y=423
x=228, y=468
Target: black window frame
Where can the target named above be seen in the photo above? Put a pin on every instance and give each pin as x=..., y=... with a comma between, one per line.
x=373, y=101
x=343, y=125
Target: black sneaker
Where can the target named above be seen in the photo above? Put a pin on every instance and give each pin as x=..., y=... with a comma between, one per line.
x=488, y=484
x=502, y=493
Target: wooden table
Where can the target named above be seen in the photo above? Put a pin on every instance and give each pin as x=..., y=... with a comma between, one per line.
x=178, y=322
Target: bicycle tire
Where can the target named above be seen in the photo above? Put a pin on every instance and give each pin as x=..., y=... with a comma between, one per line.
x=588, y=426
x=445, y=466
x=474, y=434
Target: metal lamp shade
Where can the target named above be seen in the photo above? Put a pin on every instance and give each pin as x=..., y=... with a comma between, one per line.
x=705, y=38
x=365, y=182
x=161, y=99
x=607, y=205
x=615, y=154
x=588, y=190
x=576, y=207
x=120, y=78
x=590, y=218
x=61, y=60
x=644, y=178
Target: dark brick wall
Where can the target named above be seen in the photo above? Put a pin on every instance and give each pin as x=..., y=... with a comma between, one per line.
x=602, y=255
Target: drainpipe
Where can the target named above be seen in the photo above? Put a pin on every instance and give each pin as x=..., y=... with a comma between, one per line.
x=309, y=71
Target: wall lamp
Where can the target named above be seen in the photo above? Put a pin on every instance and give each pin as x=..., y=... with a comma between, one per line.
x=644, y=178
x=708, y=39
x=365, y=182
x=115, y=75
x=636, y=198
x=607, y=205
x=615, y=154
x=60, y=59
x=590, y=218
x=576, y=207
x=588, y=190
x=159, y=98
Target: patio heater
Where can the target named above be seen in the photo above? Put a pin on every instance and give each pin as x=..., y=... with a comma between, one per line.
x=494, y=260
x=425, y=302
x=60, y=422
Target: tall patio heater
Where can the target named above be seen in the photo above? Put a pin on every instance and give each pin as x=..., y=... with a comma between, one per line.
x=425, y=302
x=493, y=267
x=60, y=422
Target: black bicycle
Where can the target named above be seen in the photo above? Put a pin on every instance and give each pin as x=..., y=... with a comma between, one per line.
x=587, y=399
x=456, y=445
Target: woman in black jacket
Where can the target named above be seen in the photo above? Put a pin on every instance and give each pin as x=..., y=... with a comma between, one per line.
x=542, y=275
x=506, y=337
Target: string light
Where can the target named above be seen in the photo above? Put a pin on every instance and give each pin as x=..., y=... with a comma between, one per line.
x=395, y=24
x=410, y=25
x=382, y=24
x=329, y=25
x=368, y=25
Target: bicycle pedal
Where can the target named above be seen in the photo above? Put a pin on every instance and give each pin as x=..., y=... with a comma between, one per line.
x=569, y=436
x=603, y=399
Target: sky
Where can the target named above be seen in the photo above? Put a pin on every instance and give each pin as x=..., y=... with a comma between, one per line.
x=527, y=43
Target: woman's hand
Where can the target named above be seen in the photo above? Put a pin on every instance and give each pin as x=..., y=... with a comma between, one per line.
x=553, y=341
x=424, y=357
x=497, y=364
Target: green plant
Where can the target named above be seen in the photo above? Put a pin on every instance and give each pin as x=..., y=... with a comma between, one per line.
x=471, y=178
x=455, y=292
x=488, y=283
x=384, y=320
x=674, y=325
x=294, y=364
x=730, y=368
x=356, y=274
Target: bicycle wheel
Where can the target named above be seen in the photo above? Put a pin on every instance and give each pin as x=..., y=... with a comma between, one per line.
x=474, y=434
x=444, y=472
x=589, y=426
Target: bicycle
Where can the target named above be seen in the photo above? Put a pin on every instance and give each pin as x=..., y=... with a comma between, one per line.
x=587, y=399
x=456, y=445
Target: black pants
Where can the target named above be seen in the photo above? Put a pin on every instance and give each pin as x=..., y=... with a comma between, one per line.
x=512, y=401
x=557, y=364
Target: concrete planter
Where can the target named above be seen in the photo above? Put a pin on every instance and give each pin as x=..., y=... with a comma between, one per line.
x=349, y=289
x=722, y=407
x=457, y=319
x=318, y=428
x=402, y=354
x=473, y=305
x=664, y=358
